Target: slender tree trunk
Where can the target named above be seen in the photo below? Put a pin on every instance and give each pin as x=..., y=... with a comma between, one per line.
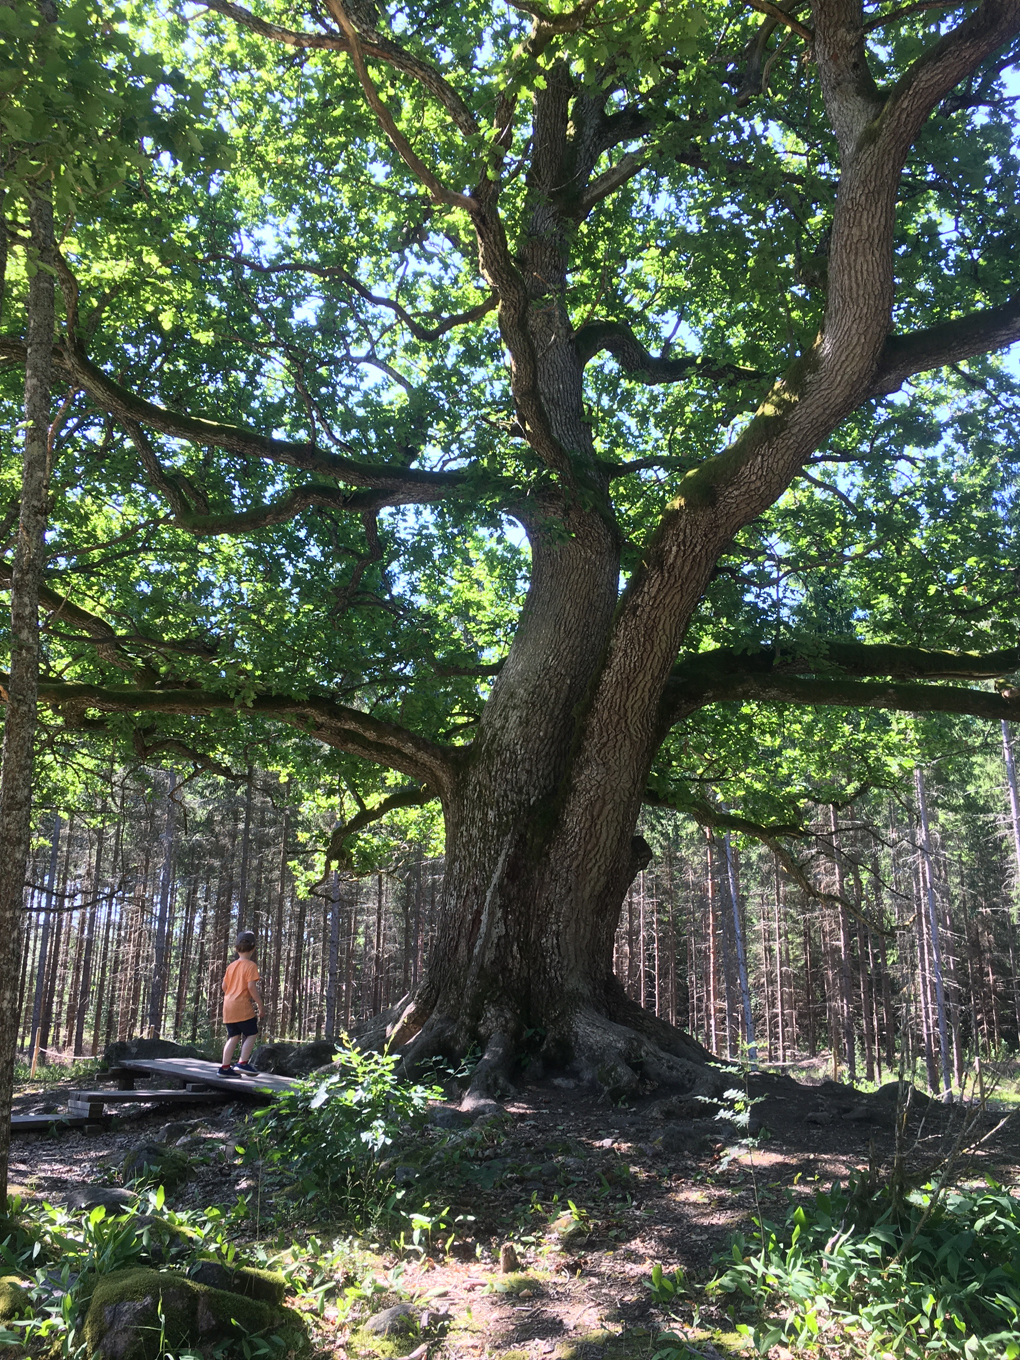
x=23, y=688
x=42, y=960
x=1014, y=795
x=92, y=920
x=741, y=960
x=333, y=969
x=160, y=967
x=242, y=893
x=846, y=1006
x=936, y=949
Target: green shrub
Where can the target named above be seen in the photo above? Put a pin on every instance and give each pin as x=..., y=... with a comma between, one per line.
x=923, y=1276
x=331, y=1132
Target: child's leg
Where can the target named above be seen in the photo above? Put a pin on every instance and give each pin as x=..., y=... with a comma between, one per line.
x=248, y=1047
x=228, y=1049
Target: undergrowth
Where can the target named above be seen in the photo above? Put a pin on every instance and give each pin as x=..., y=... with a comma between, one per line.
x=56, y=1257
x=331, y=1134
x=925, y=1274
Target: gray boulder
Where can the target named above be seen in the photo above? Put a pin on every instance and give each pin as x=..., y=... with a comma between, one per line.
x=153, y=1162
x=92, y=1196
x=144, y=1050
x=293, y=1060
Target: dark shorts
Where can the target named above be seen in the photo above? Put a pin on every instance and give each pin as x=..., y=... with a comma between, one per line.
x=245, y=1027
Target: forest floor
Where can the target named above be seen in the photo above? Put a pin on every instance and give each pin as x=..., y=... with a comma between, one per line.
x=591, y=1196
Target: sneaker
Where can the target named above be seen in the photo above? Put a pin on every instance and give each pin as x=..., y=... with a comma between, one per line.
x=226, y=1072
x=244, y=1067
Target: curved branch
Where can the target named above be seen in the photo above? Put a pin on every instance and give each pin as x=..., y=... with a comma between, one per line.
x=278, y=511
x=399, y=142
x=412, y=797
x=851, y=658
x=781, y=17
x=131, y=409
x=347, y=729
x=374, y=45
x=101, y=633
x=899, y=696
x=954, y=56
x=951, y=342
x=335, y=271
x=619, y=340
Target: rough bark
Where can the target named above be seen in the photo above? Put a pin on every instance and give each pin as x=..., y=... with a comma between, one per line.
x=23, y=686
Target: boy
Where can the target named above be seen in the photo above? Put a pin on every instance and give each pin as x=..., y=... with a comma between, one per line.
x=242, y=997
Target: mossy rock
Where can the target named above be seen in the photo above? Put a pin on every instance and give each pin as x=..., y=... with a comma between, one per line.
x=123, y=1321
x=14, y=1299
x=155, y=1165
x=518, y=1283
x=268, y=1286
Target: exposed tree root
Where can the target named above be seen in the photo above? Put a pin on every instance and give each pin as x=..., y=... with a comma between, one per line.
x=625, y=1051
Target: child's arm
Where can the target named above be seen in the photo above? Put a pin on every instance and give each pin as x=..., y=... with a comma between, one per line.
x=255, y=989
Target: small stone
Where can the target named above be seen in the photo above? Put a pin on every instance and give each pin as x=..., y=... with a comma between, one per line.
x=465, y=1249
x=564, y=1083
x=509, y=1261
x=400, y=1318
x=94, y=1130
x=818, y=1117
x=605, y=1143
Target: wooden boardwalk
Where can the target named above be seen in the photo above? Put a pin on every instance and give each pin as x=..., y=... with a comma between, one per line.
x=195, y=1073
x=202, y=1084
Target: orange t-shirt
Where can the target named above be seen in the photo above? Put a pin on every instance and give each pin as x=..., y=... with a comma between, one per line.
x=237, y=993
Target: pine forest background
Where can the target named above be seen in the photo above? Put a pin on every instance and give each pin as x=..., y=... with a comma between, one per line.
x=890, y=934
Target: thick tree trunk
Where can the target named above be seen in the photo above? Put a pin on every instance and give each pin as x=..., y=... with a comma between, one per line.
x=22, y=696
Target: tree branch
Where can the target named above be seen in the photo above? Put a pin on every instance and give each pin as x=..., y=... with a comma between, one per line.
x=279, y=511
x=780, y=16
x=412, y=797
x=951, y=342
x=347, y=729
x=400, y=144
x=131, y=409
x=744, y=685
x=857, y=659
x=420, y=332
x=943, y=66
x=607, y=183
x=101, y=633
x=374, y=45
x=618, y=339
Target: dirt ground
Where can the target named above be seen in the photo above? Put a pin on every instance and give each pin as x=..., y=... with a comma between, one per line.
x=590, y=1195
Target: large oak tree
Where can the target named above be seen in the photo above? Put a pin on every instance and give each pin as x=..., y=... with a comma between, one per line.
x=535, y=380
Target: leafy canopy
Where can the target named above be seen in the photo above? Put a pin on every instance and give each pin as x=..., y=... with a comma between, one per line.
x=250, y=248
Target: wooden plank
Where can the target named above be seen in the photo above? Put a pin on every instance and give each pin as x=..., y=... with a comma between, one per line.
x=174, y=1097
x=87, y=1109
x=40, y=1123
x=246, y=1086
